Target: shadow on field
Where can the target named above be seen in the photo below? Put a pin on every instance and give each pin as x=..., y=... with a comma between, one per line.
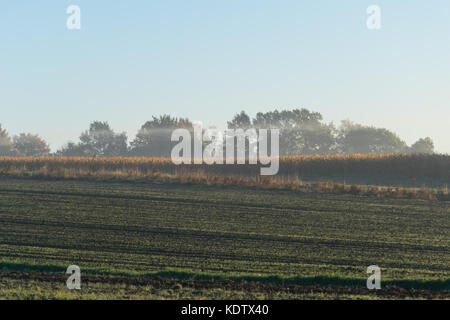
x=57, y=273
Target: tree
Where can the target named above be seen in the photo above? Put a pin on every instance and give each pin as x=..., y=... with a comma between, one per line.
x=318, y=138
x=424, y=145
x=154, y=137
x=301, y=131
x=73, y=150
x=361, y=139
x=100, y=140
x=31, y=145
x=6, y=146
x=347, y=126
x=3, y=132
x=240, y=121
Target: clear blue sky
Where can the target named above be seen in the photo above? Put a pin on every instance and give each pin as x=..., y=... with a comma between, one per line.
x=209, y=59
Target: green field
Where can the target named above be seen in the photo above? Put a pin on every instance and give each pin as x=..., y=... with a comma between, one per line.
x=148, y=240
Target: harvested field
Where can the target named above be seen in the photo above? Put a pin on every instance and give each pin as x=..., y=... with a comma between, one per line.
x=133, y=231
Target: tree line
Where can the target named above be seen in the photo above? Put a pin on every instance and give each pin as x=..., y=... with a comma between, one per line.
x=302, y=132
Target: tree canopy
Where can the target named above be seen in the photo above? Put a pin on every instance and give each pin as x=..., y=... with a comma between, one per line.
x=424, y=145
x=154, y=137
x=100, y=140
x=31, y=145
x=6, y=145
x=302, y=132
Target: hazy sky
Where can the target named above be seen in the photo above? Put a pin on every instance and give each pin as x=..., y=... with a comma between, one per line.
x=209, y=59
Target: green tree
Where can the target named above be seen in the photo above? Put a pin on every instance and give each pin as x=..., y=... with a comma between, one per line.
x=72, y=149
x=6, y=146
x=423, y=145
x=362, y=139
x=101, y=141
x=154, y=137
x=301, y=131
x=240, y=121
x=31, y=145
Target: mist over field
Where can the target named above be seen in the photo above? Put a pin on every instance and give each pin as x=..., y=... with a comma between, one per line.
x=253, y=150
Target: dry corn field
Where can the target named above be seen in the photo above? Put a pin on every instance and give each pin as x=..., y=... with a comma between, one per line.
x=411, y=165
x=389, y=175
